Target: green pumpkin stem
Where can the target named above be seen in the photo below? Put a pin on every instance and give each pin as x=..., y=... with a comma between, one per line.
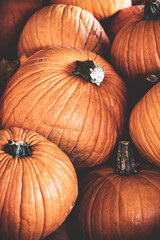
x=17, y=149
x=125, y=159
x=89, y=71
x=152, y=9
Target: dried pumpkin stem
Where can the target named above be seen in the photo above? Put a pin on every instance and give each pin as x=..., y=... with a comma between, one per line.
x=152, y=9
x=89, y=71
x=125, y=159
x=18, y=149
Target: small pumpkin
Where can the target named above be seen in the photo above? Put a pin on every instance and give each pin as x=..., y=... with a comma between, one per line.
x=13, y=16
x=114, y=24
x=99, y=8
x=135, y=51
x=38, y=185
x=120, y=205
x=144, y=125
x=62, y=25
x=71, y=96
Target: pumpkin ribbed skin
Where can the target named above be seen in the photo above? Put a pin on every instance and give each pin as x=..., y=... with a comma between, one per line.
x=38, y=191
x=114, y=207
x=135, y=51
x=81, y=118
x=117, y=21
x=99, y=8
x=13, y=16
x=62, y=25
x=144, y=125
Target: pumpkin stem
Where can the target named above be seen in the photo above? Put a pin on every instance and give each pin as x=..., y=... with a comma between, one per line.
x=152, y=9
x=89, y=71
x=17, y=149
x=152, y=78
x=125, y=159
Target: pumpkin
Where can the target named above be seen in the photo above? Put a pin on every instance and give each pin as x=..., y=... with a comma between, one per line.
x=71, y=96
x=99, y=8
x=144, y=125
x=114, y=205
x=38, y=185
x=114, y=24
x=62, y=25
x=135, y=51
x=13, y=16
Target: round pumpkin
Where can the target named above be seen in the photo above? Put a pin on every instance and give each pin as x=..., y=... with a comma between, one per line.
x=111, y=206
x=99, y=8
x=135, y=50
x=38, y=185
x=144, y=125
x=62, y=25
x=71, y=96
x=13, y=16
x=114, y=24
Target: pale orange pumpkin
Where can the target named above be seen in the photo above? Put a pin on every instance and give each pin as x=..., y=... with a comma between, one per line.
x=144, y=125
x=99, y=8
x=38, y=185
x=62, y=25
x=48, y=96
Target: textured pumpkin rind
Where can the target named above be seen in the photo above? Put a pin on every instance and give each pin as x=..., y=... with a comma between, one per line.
x=99, y=8
x=81, y=118
x=135, y=51
x=62, y=25
x=114, y=207
x=144, y=125
x=115, y=23
x=33, y=198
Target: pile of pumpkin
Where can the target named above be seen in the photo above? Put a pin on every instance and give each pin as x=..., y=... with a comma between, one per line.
x=84, y=98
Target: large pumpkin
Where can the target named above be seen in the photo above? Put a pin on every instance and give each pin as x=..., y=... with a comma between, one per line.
x=99, y=8
x=111, y=206
x=47, y=95
x=135, y=51
x=114, y=24
x=38, y=185
x=144, y=125
x=62, y=25
x=13, y=16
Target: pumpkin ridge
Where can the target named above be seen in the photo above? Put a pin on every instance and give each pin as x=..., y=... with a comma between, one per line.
x=9, y=188
x=156, y=43
x=89, y=32
x=50, y=107
x=46, y=93
x=34, y=87
x=75, y=103
x=30, y=164
x=74, y=147
x=78, y=26
x=91, y=152
x=149, y=180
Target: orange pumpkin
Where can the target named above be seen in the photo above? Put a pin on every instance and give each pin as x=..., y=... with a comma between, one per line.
x=38, y=185
x=62, y=25
x=50, y=96
x=144, y=125
x=13, y=16
x=99, y=8
x=113, y=206
x=135, y=51
x=114, y=24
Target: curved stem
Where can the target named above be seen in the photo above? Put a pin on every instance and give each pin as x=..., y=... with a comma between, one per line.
x=89, y=71
x=152, y=9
